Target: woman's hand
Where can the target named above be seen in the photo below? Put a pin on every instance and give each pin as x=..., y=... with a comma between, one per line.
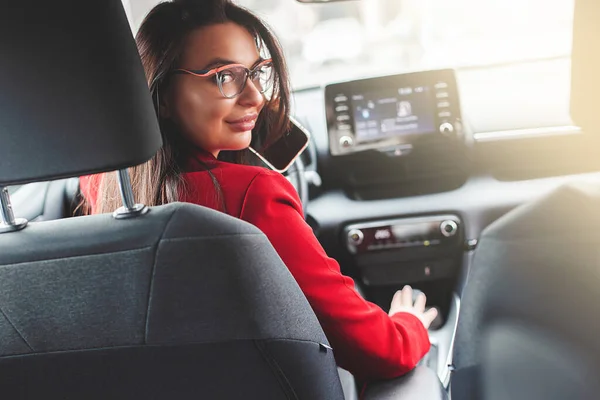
x=402, y=302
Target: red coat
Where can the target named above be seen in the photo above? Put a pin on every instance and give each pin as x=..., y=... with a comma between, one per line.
x=365, y=340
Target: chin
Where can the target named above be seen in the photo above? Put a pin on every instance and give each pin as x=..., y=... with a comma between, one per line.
x=241, y=141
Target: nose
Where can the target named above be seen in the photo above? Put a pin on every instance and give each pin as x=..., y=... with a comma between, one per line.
x=250, y=96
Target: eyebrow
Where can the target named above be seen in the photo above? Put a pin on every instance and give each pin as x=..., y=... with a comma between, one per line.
x=219, y=62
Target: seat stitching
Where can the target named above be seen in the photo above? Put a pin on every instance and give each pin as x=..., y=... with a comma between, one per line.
x=15, y=328
x=151, y=286
x=73, y=257
x=166, y=344
x=225, y=236
x=276, y=369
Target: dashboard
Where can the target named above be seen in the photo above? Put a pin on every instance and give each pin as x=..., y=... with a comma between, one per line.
x=382, y=150
x=413, y=167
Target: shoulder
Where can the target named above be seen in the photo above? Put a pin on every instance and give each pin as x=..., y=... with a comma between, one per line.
x=273, y=184
x=268, y=187
x=248, y=190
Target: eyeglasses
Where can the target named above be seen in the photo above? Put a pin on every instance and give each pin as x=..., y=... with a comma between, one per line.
x=232, y=78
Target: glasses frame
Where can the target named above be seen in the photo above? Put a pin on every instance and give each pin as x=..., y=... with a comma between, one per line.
x=205, y=73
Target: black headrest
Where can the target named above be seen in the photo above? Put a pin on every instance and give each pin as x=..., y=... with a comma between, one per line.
x=73, y=94
x=585, y=69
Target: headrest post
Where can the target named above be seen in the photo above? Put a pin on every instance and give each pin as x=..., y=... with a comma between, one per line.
x=125, y=188
x=129, y=209
x=8, y=222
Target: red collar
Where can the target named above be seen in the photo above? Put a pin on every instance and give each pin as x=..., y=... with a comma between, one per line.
x=197, y=159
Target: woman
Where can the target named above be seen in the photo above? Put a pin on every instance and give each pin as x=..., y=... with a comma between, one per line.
x=219, y=83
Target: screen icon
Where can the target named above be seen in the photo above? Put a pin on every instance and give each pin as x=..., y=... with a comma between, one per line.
x=404, y=109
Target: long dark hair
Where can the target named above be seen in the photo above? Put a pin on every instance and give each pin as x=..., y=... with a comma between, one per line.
x=160, y=42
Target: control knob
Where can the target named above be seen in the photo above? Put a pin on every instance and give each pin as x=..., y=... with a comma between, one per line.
x=346, y=141
x=446, y=128
x=355, y=237
x=448, y=228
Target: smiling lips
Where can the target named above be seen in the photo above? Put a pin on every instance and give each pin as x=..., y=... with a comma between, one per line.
x=243, y=124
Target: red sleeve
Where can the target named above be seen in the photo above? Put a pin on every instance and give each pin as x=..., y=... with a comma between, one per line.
x=365, y=340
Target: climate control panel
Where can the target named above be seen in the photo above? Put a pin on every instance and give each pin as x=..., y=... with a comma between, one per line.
x=403, y=233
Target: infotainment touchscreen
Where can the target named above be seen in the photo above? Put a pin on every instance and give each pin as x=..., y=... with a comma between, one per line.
x=391, y=113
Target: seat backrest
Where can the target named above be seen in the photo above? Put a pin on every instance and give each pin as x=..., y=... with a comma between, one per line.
x=539, y=290
x=179, y=302
x=48, y=200
x=183, y=302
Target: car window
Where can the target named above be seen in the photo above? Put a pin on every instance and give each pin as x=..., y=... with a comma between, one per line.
x=12, y=189
x=348, y=40
x=354, y=39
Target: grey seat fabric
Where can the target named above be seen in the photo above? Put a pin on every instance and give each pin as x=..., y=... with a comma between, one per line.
x=536, y=281
x=183, y=302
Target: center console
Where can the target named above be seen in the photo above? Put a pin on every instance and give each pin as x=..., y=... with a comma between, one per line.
x=426, y=252
x=399, y=136
x=405, y=250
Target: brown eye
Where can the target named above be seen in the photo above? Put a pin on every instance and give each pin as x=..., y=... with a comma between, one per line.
x=225, y=77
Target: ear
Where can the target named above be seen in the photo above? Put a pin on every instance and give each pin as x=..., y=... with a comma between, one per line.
x=164, y=110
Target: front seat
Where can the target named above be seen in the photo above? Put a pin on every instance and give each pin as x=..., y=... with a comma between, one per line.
x=529, y=327
x=172, y=302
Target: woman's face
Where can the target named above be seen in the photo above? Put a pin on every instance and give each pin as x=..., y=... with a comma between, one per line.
x=207, y=118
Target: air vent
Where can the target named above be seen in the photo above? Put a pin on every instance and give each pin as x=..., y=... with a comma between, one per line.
x=420, y=173
x=418, y=185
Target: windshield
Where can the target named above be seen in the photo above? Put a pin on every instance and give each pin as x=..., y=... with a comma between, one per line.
x=326, y=43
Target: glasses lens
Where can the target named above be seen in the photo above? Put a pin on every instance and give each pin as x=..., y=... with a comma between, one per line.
x=262, y=77
x=232, y=81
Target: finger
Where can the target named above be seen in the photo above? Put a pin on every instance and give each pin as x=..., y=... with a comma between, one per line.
x=407, y=296
x=420, y=302
x=430, y=315
x=396, y=302
x=397, y=299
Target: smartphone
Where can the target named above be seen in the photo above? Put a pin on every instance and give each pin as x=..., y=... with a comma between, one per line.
x=281, y=154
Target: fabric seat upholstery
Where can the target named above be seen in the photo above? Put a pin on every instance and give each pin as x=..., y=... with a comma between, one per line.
x=185, y=301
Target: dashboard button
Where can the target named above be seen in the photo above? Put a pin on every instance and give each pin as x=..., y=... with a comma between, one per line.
x=448, y=228
x=446, y=128
x=346, y=141
x=355, y=237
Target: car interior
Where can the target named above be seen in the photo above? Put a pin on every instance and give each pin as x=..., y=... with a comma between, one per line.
x=407, y=179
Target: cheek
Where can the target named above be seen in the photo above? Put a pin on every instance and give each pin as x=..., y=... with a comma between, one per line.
x=200, y=115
